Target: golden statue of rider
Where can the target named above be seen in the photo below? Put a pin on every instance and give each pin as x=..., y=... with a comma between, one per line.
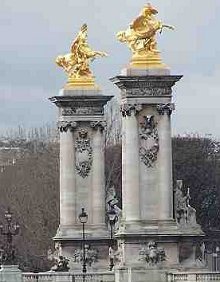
x=141, y=39
x=76, y=63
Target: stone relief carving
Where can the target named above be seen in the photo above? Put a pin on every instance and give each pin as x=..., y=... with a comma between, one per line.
x=91, y=255
x=127, y=109
x=185, y=214
x=83, y=153
x=149, y=91
x=152, y=254
x=98, y=125
x=149, y=141
x=61, y=265
x=165, y=108
x=112, y=204
x=72, y=111
x=64, y=126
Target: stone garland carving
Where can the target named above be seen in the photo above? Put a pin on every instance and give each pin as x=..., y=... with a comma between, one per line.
x=149, y=91
x=143, y=84
x=98, y=125
x=91, y=255
x=82, y=111
x=64, y=126
x=152, y=254
x=149, y=140
x=127, y=109
x=83, y=153
x=185, y=214
x=165, y=108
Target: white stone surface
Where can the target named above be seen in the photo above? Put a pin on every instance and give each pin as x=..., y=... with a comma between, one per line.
x=80, y=92
x=98, y=179
x=165, y=183
x=130, y=175
x=10, y=273
x=68, y=212
x=129, y=71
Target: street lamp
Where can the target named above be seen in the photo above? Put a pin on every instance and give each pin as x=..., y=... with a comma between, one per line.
x=9, y=230
x=112, y=217
x=83, y=218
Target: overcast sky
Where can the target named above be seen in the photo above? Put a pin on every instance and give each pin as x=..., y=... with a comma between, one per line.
x=34, y=32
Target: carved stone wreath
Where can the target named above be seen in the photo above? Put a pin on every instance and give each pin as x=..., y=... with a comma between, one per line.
x=83, y=153
x=149, y=140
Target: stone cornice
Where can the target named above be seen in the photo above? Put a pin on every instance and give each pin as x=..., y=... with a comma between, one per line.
x=80, y=105
x=77, y=101
x=151, y=85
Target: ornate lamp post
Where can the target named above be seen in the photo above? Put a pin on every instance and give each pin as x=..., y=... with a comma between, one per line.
x=83, y=218
x=9, y=230
x=112, y=216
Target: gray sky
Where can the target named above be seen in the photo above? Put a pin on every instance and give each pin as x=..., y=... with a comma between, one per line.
x=34, y=32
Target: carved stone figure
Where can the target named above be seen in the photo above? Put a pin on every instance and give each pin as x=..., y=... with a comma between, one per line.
x=76, y=63
x=91, y=255
x=149, y=140
x=61, y=265
x=152, y=254
x=83, y=153
x=184, y=213
x=112, y=203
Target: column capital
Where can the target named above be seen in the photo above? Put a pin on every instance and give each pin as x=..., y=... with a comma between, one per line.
x=128, y=109
x=98, y=125
x=64, y=126
x=165, y=108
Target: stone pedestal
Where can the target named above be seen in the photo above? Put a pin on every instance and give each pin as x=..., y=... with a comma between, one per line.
x=82, y=181
x=147, y=188
x=10, y=273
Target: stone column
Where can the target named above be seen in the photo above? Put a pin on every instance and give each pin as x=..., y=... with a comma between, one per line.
x=130, y=158
x=67, y=174
x=98, y=176
x=165, y=161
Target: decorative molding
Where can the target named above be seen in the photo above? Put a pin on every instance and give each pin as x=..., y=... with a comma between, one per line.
x=165, y=108
x=64, y=126
x=152, y=254
x=91, y=255
x=101, y=125
x=150, y=91
x=82, y=111
x=127, y=109
x=149, y=140
x=83, y=153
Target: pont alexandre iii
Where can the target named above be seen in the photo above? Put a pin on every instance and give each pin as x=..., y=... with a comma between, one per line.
x=156, y=229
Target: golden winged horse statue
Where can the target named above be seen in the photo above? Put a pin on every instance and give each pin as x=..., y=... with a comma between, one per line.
x=141, y=36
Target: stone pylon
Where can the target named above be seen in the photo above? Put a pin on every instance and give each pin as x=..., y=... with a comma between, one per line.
x=149, y=236
x=82, y=182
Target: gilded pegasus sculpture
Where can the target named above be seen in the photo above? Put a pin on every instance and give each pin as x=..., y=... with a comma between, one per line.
x=141, y=38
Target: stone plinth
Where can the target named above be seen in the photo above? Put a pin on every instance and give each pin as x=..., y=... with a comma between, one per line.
x=10, y=273
x=82, y=183
x=147, y=188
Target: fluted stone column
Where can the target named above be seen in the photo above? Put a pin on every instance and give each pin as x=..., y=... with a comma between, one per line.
x=67, y=175
x=98, y=180
x=130, y=159
x=165, y=161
